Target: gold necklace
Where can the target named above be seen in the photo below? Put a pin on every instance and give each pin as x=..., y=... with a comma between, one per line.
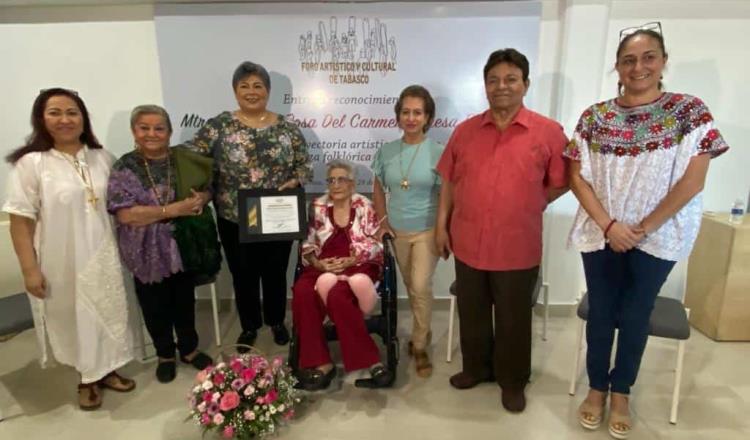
x=246, y=119
x=405, y=176
x=84, y=173
x=153, y=184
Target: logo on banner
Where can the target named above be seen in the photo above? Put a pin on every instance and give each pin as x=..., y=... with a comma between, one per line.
x=349, y=57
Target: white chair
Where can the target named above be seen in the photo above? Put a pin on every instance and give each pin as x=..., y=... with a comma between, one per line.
x=534, y=297
x=215, y=313
x=669, y=319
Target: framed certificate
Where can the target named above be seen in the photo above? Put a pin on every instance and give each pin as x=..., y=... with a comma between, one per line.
x=272, y=215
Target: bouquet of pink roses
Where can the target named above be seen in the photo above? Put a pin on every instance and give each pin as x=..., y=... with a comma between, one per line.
x=244, y=397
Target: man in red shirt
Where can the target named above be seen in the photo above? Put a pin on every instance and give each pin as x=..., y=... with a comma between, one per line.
x=500, y=169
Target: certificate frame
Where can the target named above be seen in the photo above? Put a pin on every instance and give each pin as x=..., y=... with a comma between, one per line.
x=255, y=226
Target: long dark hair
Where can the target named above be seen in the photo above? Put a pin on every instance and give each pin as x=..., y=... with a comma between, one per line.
x=40, y=139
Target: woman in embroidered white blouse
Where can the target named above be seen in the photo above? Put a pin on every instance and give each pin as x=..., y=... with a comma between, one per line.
x=638, y=166
x=63, y=237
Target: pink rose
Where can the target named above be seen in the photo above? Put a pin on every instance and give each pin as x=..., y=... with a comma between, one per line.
x=219, y=379
x=205, y=419
x=277, y=362
x=228, y=431
x=218, y=419
x=230, y=400
x=207, y=396
x=236, y=366
x=248, y=374
x=288, y=415
x=272, y=396
x=249, y=415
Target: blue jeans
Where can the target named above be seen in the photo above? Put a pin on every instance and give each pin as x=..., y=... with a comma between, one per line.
x=622, y=288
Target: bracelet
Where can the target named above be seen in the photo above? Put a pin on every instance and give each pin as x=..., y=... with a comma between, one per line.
x=606, y=230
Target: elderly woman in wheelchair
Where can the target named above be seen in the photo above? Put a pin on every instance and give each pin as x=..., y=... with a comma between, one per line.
x=342, y=258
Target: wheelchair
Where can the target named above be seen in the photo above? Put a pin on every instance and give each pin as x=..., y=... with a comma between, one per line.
x=383, y=324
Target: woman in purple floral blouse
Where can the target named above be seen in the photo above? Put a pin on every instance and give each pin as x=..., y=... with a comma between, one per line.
x=141, y=194
x=253, y=148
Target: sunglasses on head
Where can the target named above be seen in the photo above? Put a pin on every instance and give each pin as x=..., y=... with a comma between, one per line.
x=654, y=26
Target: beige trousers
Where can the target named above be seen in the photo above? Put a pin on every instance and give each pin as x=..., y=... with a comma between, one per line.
x=416, y=257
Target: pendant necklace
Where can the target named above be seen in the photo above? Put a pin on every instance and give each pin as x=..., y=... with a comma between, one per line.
x=84, y=173
x=405, y=175
x=162, y=203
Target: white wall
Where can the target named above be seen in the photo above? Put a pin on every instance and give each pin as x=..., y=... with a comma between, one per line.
x=109, y=55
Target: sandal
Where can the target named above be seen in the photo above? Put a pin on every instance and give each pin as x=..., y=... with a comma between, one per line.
x=590, y=415
x=422, y=361
x=115, y=382
x=89, y=396
x=620, y=425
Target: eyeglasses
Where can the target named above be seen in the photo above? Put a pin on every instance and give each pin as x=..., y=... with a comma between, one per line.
x=654, y=26
x=58, y=89
x=338, y=180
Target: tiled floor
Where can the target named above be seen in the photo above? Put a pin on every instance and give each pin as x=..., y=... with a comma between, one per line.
x=715, y=400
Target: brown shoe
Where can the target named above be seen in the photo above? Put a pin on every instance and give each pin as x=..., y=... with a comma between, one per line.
x=89, y=396
x=464, y=381
x=115, y=382
x=514, y=399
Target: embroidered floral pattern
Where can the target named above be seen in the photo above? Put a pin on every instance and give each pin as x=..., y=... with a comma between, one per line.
x=611, y=129
x=250, y=158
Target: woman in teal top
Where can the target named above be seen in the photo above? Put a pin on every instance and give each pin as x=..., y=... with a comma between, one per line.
x=405, y=169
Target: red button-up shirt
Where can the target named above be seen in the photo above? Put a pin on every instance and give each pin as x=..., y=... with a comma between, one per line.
x=499, y=183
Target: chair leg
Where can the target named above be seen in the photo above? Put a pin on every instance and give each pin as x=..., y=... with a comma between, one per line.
x=678, y=379
x=215, y=310
x=545, y=286
x=451, y=317
x=579, y=354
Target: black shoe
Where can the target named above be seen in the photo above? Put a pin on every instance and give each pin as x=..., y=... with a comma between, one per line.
x=380, y=377
x=247, y=337
x=200, y=361
x=166, y=371
x=313, y=379
x=280, y=334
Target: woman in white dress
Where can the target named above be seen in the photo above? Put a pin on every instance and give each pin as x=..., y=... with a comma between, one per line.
x=63, y=237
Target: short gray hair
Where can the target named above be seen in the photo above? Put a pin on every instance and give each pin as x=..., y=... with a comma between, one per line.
x=248, y=68
x=350, y=168
x=149, y=109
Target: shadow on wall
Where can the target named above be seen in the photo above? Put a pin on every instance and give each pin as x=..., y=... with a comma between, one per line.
x=119, y=139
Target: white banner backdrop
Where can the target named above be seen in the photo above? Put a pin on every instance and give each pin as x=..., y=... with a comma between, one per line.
x=337, y=69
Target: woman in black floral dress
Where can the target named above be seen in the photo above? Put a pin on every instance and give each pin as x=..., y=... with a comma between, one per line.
x=253, y=148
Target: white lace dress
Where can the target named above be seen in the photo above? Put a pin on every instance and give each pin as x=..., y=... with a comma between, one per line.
x=85, y=313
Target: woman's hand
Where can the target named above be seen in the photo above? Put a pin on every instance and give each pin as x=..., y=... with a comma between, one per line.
x=35, y=282
x=623, y=238
x=335, y=265
x=188, y=207
x=204, y=196
x=291, y=183
x=443, y=242
x=385, y=228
